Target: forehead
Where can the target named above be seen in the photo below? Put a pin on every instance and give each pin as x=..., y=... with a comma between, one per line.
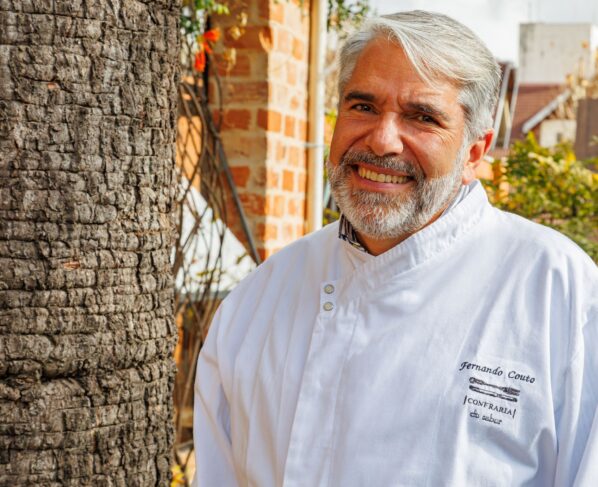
x=384, y=64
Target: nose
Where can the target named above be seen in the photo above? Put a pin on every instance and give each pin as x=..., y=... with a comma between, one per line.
x=384, y=137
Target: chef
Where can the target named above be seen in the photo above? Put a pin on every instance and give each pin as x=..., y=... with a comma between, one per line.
x=425, y=339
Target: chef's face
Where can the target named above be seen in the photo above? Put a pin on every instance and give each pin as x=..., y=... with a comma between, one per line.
x=398, y=154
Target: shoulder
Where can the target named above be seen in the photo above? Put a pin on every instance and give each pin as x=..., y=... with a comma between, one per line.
x=545, y=262
x=310, y=252
x=273, y=288
x=524, y=239
x=312, y=246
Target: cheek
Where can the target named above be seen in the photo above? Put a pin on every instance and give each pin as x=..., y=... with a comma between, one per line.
x=434, y=157
x=345, y=136
x=337, y=148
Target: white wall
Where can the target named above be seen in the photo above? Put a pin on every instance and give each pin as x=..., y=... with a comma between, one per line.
x=555, y=131
x=497, y=21
x=548, y=52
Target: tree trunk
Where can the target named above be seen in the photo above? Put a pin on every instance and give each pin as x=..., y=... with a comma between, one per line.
x=87, y=129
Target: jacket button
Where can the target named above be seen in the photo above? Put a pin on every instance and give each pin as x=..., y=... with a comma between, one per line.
x=328, y=288
x=328, y=306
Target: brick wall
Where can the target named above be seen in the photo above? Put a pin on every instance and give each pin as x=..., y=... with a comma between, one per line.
x=264, y=119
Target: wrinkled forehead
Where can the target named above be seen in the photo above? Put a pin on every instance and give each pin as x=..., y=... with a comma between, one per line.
x=431, y=76
x=383, y=48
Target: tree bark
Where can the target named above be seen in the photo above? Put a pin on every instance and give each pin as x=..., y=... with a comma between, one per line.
x=87, y=129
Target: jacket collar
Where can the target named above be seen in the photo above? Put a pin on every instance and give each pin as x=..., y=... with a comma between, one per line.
x=372, y=271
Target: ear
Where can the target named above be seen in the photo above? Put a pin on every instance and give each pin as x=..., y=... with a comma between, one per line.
x=477, y=150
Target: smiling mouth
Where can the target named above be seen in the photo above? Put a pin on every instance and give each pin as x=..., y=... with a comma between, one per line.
x=382, y=178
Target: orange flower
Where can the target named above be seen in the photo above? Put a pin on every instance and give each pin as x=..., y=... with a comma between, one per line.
x=204, y=42
x=212, y=35
x=200, y=61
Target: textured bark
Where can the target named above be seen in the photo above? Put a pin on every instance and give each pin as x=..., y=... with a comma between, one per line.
x=87, y=130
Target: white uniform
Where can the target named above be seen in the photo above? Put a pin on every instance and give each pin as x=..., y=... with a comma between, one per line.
x=464, y=356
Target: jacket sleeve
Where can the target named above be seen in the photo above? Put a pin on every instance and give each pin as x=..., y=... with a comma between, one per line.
x=211, y=419
x=577, y=463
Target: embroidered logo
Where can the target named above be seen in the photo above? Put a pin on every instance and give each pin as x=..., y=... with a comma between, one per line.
x=488, y=400
x=506, y=393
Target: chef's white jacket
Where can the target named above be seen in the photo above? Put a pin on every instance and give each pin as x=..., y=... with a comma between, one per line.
x=464, y=356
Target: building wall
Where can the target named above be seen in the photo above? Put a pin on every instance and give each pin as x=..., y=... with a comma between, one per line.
x=548, y=52
x=264, y=121
x=587, y=129
x=555, y=131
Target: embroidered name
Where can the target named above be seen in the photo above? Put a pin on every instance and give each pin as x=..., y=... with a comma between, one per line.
x=490, y=406
x=524, y=378
x=481, y=368
x=513, y=374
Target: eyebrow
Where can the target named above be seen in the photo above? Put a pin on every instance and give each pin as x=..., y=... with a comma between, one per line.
x=421, y=107
x=359, y=95
x=428, y=109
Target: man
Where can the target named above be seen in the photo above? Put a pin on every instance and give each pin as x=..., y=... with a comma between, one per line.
x=438, y=341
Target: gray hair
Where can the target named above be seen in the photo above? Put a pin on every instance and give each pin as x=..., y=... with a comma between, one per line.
x=439, y=48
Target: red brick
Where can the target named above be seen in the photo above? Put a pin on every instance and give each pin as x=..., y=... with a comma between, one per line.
x=295, y=207
x=216, y=116
x=284, y=41
x=300, y=229
x=240, y=175
x=273, y=10
x=259, y=64
x=247, y=91
x=288, y=232
x=263, y=8
x=302, y=131
x=291, y=73
x=289, y=126
x=294, y=103
x=288, y=180
x=236, y=119
x=254, y=204
x=275, y=206
x=259, y=176
x=269, y=120
x=298, y=49
x=272, y=179
x=212, y=90
x=281, y=151
x=249, y=145
x=263, y=253
x=296, y=157
x=241, y=67
x=267, y=231
x=276, y=13
x=301, y=184
x=254, y=37
x=278, y=206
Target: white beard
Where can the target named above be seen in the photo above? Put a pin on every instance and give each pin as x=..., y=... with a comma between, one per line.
x=381, y=216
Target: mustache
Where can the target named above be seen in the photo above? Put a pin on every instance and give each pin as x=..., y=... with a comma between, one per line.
x=392, y=163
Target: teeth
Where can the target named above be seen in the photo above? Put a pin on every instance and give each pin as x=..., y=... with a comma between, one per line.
x=381, y=178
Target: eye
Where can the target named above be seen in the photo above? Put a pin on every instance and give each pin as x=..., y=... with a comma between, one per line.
x=427, y=119
x=362, y=107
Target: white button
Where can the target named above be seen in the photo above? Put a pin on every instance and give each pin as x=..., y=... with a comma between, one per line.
x=328, y=306
x=328, y=288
